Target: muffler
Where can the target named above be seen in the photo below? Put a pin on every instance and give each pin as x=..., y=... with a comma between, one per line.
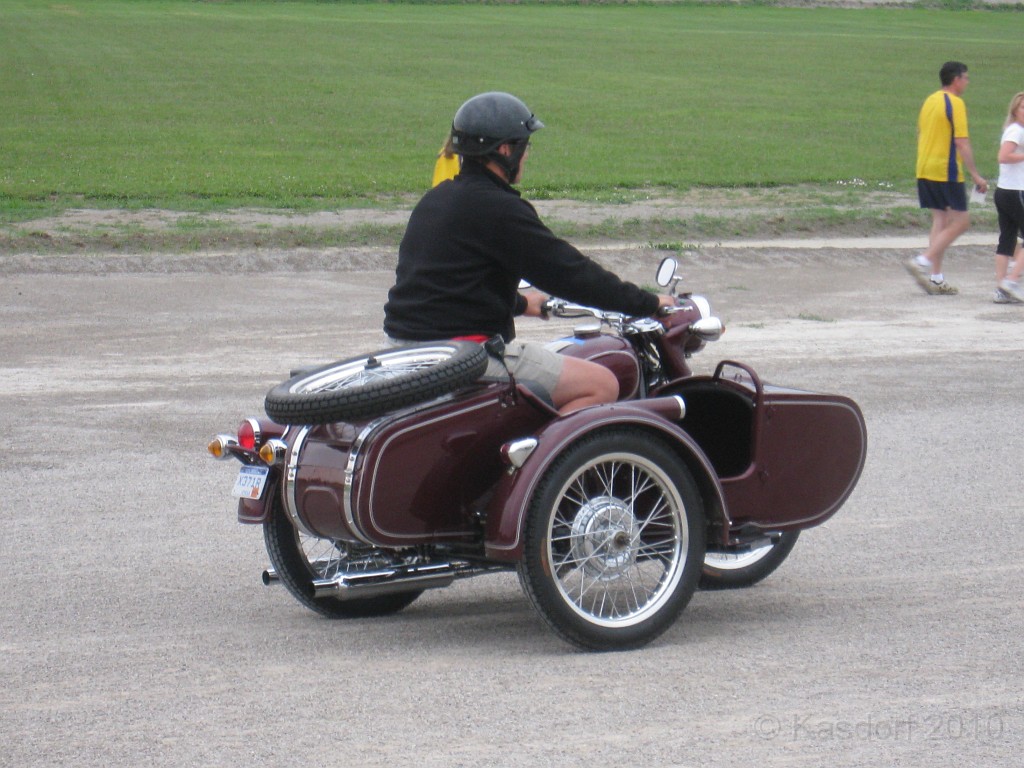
x=385, y=581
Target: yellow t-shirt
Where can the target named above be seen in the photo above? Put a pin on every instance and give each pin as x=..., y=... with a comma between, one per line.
x=446, y=167
x=943, y=118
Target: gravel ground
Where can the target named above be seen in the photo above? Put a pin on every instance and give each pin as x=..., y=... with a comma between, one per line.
x=135, y=630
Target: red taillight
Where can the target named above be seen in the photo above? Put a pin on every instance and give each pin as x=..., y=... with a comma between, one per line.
x=249, y=434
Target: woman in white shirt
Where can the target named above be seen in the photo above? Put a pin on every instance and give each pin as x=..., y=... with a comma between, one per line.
x=1009, y=199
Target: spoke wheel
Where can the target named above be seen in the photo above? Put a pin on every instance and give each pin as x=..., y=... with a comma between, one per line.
x=725, y=570
x=299, y=559
x=370, y=385
x=614, y=541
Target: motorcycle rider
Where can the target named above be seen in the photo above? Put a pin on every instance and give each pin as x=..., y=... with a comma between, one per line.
x=471, y=240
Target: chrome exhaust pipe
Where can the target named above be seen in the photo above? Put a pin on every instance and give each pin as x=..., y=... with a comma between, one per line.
x=386, y=581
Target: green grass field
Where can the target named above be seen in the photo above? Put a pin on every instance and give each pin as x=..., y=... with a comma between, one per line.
x=199, y=105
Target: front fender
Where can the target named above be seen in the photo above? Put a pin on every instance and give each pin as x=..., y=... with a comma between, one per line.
x=506, y=513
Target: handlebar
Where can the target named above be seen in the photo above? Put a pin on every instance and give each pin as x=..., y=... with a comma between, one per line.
x=561, y=308
x=706, y=327
x=564, y=309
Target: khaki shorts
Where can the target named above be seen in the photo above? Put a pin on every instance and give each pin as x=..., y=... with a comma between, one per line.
x=527, y=361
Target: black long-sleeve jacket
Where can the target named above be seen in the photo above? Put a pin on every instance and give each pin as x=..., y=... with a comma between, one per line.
x=468, y=243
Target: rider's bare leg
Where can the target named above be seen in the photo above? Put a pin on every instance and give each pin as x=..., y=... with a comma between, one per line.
x=584, y=383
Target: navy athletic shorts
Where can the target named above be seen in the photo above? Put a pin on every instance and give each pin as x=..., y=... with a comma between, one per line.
x=940, y=195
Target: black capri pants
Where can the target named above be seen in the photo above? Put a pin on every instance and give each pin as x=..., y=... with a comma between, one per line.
x=1010, y=207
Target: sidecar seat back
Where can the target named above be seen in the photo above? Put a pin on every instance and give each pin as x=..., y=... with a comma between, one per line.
x=721, y=420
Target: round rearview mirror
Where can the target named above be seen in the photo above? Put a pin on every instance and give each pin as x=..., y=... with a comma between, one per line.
x=666, y=271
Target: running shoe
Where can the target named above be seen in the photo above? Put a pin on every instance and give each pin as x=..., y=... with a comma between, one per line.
x=939, y=289
x=920, y=274
x=1012, y=290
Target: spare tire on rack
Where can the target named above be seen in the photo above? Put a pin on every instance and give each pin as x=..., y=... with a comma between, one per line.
x=370, y=385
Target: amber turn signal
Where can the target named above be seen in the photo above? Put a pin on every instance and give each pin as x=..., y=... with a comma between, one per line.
x=218, y=447
x=272, y=451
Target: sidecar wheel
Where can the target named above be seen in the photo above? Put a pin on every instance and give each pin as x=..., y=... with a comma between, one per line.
x=298, y=559
x=370, y=385
x=614, y=541
x=727, y=571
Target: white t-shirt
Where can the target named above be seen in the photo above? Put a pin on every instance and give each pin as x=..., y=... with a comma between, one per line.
x=1011, y=175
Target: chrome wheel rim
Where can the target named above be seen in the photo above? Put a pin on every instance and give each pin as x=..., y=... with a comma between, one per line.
x=328, y=558
x=728, y=561
x=378, y=367
x=617, y=540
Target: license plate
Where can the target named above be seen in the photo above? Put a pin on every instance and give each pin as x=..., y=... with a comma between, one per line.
x=249, y=483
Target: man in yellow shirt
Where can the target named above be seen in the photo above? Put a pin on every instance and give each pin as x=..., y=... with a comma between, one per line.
x=943, y=151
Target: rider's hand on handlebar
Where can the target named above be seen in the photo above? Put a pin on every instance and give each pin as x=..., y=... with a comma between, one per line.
x=665, y=302
x=535, y=304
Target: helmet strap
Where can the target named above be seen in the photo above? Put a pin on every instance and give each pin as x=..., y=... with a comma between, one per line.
x=510, y=163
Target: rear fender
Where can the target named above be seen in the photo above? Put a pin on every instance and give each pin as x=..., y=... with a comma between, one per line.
x=257, y=511
x=506, y=513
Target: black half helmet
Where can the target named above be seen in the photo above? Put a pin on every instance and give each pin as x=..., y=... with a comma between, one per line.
x=488, y=120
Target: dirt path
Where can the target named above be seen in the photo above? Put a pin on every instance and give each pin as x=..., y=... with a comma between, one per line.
x=135, y=629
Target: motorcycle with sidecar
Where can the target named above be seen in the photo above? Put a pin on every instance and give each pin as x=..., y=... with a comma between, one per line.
x=381, y=476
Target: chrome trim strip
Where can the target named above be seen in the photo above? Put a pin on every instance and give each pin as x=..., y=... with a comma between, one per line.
x=348, y=508
x=682, y=407
x=291, y=504
x=257, y=433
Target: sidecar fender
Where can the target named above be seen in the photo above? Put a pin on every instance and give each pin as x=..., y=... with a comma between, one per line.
x=506, y=512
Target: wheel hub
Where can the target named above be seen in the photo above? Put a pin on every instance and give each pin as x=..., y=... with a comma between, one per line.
x=604, y=538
